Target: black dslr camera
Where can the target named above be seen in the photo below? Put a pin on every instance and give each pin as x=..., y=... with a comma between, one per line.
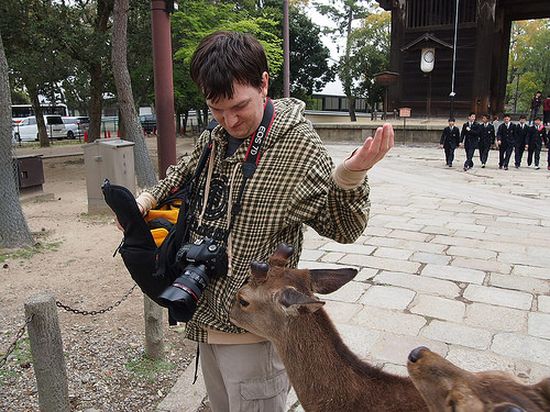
x=201, y=261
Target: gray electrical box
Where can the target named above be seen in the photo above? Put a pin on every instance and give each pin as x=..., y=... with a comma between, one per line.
x=111, y=159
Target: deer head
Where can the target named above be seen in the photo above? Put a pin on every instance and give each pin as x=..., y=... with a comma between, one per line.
x=276, y=295
x=448, y=388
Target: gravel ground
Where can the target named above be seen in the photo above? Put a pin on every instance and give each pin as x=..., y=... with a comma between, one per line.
x=105, y=371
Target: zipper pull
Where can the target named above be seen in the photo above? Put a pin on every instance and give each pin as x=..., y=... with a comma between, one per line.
x=117, y=250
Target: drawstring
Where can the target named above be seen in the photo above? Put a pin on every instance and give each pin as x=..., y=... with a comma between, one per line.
x=229, y=217
x=208, y=181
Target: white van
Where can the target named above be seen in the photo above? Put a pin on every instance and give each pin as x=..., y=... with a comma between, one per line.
x=26, y=129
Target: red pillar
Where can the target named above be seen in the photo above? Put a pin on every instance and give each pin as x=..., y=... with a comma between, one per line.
x=164, y=85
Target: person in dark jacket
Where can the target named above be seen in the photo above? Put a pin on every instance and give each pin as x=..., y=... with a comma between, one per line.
x=505, y=142
x=520, y=140
x=450, y=139
x=536, y=103
x=470, y=136
x=537, y=137
x=486, y=139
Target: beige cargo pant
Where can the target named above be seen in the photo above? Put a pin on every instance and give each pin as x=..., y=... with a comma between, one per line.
x=244, y=378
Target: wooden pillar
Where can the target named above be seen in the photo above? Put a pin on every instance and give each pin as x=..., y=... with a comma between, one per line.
x=154, y=334
x=396, y=55
x=501, y=47
x=483, y=66
x=47, y=353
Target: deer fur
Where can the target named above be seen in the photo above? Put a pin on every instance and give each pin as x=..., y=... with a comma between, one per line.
x=279, y=304
x=448, y=388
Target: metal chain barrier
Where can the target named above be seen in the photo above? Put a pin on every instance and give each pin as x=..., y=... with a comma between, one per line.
x=21, y=330
x=13, y=345
x=95, y=312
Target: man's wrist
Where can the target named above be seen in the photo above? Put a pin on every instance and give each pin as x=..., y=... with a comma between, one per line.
x=146, y=201
x=346, y=178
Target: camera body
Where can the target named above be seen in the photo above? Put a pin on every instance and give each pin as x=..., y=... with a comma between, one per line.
x=200, y=261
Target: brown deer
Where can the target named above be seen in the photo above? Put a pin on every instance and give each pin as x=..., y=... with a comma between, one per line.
x=448, y=388
x=278, y=304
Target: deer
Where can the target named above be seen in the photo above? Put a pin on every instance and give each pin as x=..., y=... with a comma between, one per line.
x=278, y=303
x=447, y=388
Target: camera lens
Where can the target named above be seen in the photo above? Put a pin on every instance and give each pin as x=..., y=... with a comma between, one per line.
x=185, y=292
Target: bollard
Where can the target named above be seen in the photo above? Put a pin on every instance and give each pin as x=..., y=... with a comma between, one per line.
x=47, y=353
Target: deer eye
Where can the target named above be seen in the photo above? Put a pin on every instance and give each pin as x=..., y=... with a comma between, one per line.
x=243, y=303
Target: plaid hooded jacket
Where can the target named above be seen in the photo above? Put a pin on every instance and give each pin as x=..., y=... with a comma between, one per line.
x=292, y=186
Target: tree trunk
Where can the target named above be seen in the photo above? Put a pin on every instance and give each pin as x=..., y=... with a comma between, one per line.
x=145, y=172
x=96, y=101
x=178, y=122
x=347, y=81
x=185, y=118
x=104, y=9
x=39, y=116
x=13, y=227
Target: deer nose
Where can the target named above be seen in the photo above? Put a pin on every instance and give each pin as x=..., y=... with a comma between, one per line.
x=417, y=353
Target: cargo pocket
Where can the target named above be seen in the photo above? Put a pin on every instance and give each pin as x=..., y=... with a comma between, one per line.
x=264, y=395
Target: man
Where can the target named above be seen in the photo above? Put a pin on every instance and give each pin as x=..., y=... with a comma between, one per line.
x=520, y=140
x=537, y=137
x=536, y=103
x=470, y=136
x=294, y=182
x=486, y=139
x=450, y=139
x=505, y=142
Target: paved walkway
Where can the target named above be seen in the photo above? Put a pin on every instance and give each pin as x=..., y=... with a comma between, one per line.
x=456, y=261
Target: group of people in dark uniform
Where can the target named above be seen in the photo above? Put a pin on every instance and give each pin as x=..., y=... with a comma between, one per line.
x=508, y=138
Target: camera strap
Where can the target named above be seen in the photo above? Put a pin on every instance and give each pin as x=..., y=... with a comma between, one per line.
x=253, y=155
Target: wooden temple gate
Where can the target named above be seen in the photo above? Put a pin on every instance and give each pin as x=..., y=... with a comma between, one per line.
x=483, y=42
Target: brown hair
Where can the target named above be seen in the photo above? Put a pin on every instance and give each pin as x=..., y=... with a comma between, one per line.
x=223, y=58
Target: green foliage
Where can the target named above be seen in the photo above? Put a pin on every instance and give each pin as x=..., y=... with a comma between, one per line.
x=367, y=47
x=148, y=369
x=309, y=69
x=203, y=17
x=528, y=62
x=369, y=54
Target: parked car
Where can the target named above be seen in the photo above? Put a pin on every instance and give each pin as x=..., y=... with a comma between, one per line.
x=76, y=125
x=26, y=129
x=149, y=123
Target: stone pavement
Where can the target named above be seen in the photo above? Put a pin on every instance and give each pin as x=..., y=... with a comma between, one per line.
x=456, y=261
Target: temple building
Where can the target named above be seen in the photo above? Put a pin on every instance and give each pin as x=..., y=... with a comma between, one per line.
x=423, y=36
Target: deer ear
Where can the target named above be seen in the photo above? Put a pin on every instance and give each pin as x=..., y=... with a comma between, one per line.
x=329, y=280
x=297, y=303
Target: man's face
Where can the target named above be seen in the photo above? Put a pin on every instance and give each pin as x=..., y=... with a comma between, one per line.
x=241, y=115
x=506, y=119
x=484, y=119
x=522, y=120
x=471, y=118
x=451, y=124
x=537, y=122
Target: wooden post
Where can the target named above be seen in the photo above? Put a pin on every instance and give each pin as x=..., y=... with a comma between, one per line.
x=154, y=335
x=47, y=353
